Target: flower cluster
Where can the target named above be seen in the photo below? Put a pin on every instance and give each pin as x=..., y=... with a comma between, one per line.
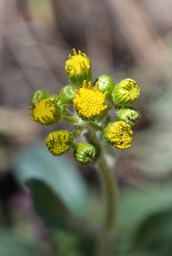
x=93, y=105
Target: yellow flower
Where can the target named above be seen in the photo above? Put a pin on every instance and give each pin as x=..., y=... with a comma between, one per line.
x=118, y=134
x=89, y=101
x=46, y=112
x=78, y=68
x=58, y=142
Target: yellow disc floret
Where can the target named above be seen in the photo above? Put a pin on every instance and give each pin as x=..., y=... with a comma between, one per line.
x=118, y=134
x=46, y=112
x=58, y=142
x=78, y=68
x=89, y=101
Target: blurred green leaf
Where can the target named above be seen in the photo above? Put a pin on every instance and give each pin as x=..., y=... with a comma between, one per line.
x=54, y=214
x=136, y=205
x=155, y=234
x=12, y=245
x=48, y=205
x=67, y=243
x=145, y=221
x=58, y=173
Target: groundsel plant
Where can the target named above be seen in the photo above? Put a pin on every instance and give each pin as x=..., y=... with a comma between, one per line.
x=100, y=114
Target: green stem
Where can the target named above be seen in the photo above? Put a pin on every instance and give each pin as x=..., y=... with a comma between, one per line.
x=71, y=119
x=110, y=193
x=77, y=131
x=110, y=190
x=96, y=126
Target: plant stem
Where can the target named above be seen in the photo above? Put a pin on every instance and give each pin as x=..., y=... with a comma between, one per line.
x=110, y=193
x=110, y=190
x=95, y=126
x=71, y=119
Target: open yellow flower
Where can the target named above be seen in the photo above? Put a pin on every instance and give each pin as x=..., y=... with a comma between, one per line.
x=89, y=101
x=78, y=68
x=118, y=134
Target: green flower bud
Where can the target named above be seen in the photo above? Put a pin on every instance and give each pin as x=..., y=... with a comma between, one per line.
x=118, y=134
x=39, y=95
x=129, y=115
x=105, y=83
x=78, y=68
x=125, y=92
x=58, y=142
x=67, y=93
x=85, y=153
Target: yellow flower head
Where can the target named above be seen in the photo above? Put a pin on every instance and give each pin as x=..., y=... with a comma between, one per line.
x=78, y=68
x=118, y=134
x=58, y=142
x=46, y=112
x=89, y=101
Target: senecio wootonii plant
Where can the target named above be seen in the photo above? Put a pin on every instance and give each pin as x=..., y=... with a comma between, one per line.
x=99, y=113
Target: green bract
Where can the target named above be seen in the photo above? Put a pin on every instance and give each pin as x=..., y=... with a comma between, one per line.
x=39, y=95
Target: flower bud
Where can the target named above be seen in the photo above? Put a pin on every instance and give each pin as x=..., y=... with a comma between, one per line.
x=118, y=134
x=46, y=112
x=125, y=92
x=85, y=153
x=105, y=83
x=129, y=115
x=39, y=95
x=67, y=93
x=58, y=142
x=78, y=68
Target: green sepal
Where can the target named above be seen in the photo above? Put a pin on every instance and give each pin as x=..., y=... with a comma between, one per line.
x=39, y=95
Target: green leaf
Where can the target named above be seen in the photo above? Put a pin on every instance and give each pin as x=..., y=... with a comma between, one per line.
x=12, y=245
x=136, y=205
x=155, y=234
x=57, y=173
x=48, y=206
x=145, y=221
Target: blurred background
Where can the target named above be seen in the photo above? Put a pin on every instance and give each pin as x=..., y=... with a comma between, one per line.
x=123, y=39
